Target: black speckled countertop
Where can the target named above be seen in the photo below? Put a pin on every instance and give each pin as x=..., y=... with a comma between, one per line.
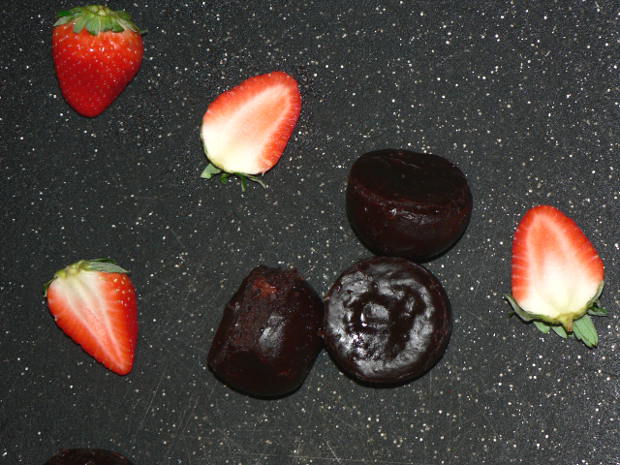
x=522, y=96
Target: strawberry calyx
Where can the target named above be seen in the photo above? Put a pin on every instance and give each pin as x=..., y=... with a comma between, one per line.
x=104, y=265
x=211, y=170
x=96, y=19
x=576, y=324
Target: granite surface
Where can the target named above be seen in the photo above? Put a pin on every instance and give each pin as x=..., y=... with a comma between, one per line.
x=522, y=96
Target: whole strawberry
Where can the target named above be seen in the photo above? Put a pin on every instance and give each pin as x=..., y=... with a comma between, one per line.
x=94, y=303
x=96, y=52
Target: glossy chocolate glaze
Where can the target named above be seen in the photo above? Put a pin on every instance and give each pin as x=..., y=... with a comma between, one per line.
x=387, y=321
x=407, y=204
x=269, y=335
x=87, y=457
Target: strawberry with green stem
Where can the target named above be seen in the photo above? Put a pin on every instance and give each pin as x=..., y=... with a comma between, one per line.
x=246, y=129
x=94, y=302
x=557, y=275
x=96, y=53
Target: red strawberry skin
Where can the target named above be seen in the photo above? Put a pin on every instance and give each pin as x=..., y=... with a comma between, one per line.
x=93, y=70
x=246, y=129
x=556, y=271
x=98, y=310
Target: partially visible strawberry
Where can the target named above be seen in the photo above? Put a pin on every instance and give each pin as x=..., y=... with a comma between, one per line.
x=557, y=275
x=96, y=52
x=94, y=303
x=245, y=130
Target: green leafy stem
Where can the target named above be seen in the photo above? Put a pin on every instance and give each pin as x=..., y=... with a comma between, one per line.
x=211, y=171
x=583, y=328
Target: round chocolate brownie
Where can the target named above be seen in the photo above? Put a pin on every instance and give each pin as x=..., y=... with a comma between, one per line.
x=407, y=204
x=269, y=335
x=387, y=321
x=87, y=457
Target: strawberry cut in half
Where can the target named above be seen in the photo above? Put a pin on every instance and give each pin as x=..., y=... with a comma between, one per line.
x=94, y=302
x=245, y=130
x=557, y=275
x=96, y=53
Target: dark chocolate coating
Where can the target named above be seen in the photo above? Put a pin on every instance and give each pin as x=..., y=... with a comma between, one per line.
x=407, y=204
x=87, y=457
x=269, y=335
x=387, y=321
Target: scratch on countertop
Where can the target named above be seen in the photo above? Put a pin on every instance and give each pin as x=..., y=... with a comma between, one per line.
x=149, y=406
x=182, y=422
x=331, y=449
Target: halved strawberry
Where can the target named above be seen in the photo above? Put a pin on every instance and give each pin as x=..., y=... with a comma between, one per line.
x=94, y=303
x=245, y=130
x=557, y=275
